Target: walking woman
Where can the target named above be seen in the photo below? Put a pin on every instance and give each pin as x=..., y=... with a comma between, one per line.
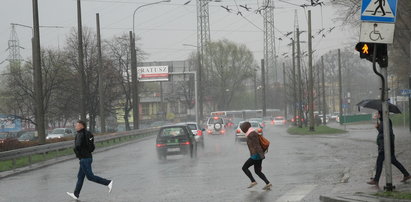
x=256, y=155
x=381, y=154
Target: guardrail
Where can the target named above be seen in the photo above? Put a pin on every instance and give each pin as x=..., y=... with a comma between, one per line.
x=59, y=146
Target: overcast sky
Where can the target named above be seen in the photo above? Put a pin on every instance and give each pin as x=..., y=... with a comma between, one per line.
x=163, y=28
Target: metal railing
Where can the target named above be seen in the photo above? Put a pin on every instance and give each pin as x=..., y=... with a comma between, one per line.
x=60, y=146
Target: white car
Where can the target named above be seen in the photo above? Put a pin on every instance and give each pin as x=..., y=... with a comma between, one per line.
x=240, y=136
x=279, y=121
x=60, y=133
x=197, y=132
x=216, y=126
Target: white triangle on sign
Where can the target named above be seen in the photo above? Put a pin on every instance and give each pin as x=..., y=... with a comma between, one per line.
x=379, y=8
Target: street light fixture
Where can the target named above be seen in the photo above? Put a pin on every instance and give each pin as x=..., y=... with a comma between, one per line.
x=134, y=14
x=134, y=81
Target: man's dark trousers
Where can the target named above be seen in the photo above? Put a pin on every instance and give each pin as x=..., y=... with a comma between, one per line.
x=85, y=171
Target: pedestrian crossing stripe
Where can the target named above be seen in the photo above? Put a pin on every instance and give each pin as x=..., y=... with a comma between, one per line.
x=379, y=10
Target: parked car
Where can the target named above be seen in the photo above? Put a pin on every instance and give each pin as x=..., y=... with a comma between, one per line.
x=279, y=121
x=174, y=140
x=240, y=136
x=197, y=131
x=60, y=133
x=322, y=118
x=28, y=136
x=7, y=141
x=334, y=116
x=216, y=126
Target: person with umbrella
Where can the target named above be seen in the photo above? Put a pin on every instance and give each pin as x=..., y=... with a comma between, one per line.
x=381, y=156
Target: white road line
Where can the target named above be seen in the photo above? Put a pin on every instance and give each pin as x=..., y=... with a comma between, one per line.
x=296, y=194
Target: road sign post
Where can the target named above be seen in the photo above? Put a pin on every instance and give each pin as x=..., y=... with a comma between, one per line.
x=377, y=27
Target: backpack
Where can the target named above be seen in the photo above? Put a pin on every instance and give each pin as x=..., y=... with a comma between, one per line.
x=90, y=142
x=264, y=143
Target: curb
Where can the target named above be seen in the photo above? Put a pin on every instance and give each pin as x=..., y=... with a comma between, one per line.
x=61, y=159
x=359, y=198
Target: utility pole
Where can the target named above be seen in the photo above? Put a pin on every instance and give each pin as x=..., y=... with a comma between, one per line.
x=324, y=104
x=203, y=39
x=263, y=88
x=81, y=64
x=294, y=85
x=38, y=81
x=318, y=91
x=300, y=99
x=255, y=89
x=100, y=78
x=134, y=85
x=285, y=93
x=311, y=82
x=386, y=125
x=340, y=86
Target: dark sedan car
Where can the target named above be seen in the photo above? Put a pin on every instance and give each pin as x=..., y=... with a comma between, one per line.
x=174, y=140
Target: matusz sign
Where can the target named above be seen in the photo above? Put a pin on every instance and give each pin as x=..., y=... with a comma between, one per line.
x=153, y=73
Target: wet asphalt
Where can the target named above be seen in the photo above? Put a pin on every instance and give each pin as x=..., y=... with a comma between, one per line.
x=301, y=168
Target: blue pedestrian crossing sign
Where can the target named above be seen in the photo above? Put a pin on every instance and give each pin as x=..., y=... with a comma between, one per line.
x=379, y=10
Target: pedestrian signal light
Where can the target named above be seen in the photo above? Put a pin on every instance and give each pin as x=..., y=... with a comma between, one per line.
x=365, y=49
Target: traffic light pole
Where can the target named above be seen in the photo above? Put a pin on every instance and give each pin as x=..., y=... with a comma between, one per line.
x=386, y=121
x=409, y=97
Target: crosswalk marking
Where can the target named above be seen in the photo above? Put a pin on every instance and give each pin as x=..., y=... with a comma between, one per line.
x=296, y=194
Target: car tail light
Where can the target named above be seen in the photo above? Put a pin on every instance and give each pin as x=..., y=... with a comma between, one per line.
x=209, y=131
x=185, y=143
x=215, y=118
x=292, y=120
x=238, y=131
x=199, y=132
x=222, y=131
x=160, y=145
x=259, y=130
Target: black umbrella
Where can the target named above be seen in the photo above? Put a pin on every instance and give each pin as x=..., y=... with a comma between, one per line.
x=376, y=104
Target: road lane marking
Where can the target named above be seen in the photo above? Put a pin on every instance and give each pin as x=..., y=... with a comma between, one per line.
x=296, y=194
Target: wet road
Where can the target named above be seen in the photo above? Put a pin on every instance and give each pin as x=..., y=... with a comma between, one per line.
x=299, y=167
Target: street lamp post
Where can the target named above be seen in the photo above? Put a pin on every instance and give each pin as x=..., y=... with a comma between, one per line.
x=134, y=86
x=199, y=84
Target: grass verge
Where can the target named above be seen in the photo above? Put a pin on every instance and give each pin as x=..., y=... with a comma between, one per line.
x=395, y=195
x=318, y=130
x=24, y=161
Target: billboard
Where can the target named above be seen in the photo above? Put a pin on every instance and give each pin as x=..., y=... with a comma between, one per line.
x=9, y=123
x=152, y=73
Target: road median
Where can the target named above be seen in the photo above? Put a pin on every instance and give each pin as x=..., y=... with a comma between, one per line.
x=320, y=130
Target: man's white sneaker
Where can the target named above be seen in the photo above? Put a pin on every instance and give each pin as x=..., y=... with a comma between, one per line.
x=110, y=186
x=252, y=184
x=72, y=195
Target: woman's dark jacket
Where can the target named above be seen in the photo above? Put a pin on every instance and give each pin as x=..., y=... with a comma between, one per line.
x=253, y=143
x=380, y=138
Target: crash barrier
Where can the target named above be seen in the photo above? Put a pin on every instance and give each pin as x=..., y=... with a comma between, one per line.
x=355, y=118
x=29, y=152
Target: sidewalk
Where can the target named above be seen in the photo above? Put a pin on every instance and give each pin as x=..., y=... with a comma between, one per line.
x=364, y=192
